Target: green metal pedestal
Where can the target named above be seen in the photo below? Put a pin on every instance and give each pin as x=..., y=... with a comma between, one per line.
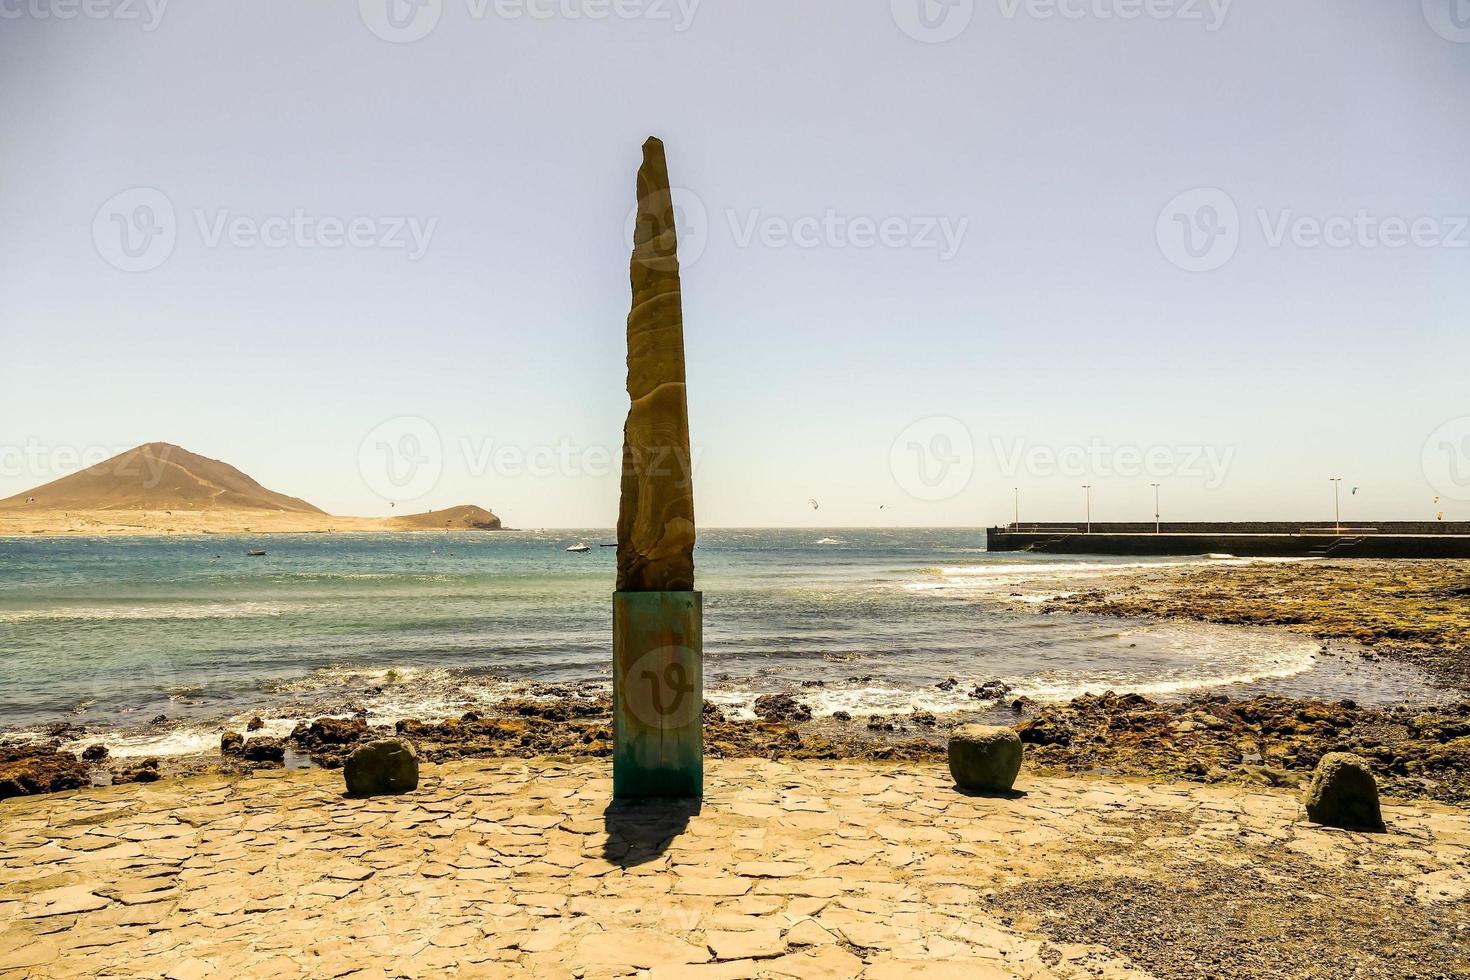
x=658, y=695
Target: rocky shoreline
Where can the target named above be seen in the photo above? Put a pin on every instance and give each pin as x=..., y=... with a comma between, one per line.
x=1418, y=752
x=1410, y=611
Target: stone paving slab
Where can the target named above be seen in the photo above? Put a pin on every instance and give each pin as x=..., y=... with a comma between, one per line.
x=500, y=868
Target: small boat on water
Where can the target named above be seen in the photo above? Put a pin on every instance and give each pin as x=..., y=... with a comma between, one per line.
x=255, y=553
x=579, y=549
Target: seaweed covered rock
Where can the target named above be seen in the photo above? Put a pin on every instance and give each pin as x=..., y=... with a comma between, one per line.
x=389, y=765
x=328, y=732
x=781, y=707
x=143, y=771
x=1046, y=730
x=30, y=769
x=984, y=758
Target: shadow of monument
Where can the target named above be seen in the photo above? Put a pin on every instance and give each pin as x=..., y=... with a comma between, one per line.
x=991, y=794
x=640, y=831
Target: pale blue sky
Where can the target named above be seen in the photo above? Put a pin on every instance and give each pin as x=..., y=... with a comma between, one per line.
x=1048, y=147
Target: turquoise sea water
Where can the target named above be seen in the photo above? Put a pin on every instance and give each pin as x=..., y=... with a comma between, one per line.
x=113, y=632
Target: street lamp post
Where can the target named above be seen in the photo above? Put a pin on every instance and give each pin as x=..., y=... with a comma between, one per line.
x=1337, y=502
x=1018, y=509
x=1088, y=488
x=1158, y=525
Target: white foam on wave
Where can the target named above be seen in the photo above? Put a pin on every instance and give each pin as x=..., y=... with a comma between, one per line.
x=424, y=701
x=177, y=611
x=324, y=678
x=1196, y=657
x=405, y=577
x=1003, y=579
x=179, y=741
x=393, y=694
x=1061, y=690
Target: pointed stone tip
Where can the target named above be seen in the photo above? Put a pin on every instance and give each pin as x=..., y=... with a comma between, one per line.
x=653, y=149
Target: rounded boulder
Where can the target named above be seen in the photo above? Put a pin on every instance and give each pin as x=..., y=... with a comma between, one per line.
x=984, y=758
x=1343, y=794
x=389, y=765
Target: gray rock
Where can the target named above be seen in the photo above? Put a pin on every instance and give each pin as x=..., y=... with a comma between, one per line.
x=781, y=707
x=145, y=771
x=389, y=765
x=990, y=691
x=984, y=758
x=1343, y=794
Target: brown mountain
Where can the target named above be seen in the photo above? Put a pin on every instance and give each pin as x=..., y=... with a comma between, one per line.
x=158, y=476
x=164, y=489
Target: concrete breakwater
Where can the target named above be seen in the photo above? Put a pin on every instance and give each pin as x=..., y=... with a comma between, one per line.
x=1250, y=527
x=1266, y=539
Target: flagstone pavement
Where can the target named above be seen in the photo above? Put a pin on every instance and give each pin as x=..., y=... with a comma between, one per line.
x=510, y=867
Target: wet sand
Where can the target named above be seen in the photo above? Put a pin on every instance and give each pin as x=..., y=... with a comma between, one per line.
x=789, y=869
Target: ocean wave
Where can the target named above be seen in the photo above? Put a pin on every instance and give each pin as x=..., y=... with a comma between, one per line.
x=1199, y=658
x=215, y=610
x=359, y=577
x=1063, y=690
x=327, y=678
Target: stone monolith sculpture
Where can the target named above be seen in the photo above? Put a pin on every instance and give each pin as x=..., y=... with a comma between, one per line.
x=658, y=673
x=656, y=522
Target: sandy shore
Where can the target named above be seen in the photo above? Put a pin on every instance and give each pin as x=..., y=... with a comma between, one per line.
x=796, y=869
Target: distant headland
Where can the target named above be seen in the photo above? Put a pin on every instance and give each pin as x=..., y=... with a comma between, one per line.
x=160, y=488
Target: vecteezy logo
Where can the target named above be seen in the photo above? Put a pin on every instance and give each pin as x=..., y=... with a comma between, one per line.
x=1450, y=19
x=402, y=459
x=1199, y=230
x=933, y=21
x=1446, y=459
x=136, y=230
x=659, y=692
x=933, y=459
x=400, y=21
x=691, y=223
